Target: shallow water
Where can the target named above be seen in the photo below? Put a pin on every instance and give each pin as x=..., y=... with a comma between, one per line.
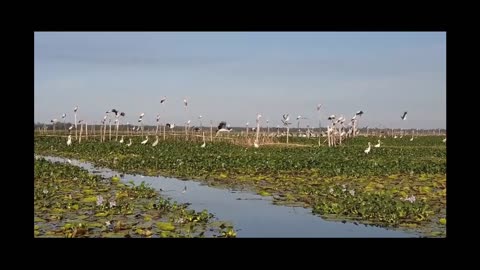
x=252, y=215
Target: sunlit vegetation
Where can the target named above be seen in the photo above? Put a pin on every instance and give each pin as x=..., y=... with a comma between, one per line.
x=70, y=202
x=400, y=184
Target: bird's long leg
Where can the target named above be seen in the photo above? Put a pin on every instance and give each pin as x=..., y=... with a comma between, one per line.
x=116, y=132
x=104, y=130
x=81, y=130
x=76, y=126
x=211, y=131
x=86, y=131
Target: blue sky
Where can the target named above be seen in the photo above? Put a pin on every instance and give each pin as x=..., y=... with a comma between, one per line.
x=233, y=75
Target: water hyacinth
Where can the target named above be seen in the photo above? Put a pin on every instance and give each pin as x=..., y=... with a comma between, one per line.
x=295, y=174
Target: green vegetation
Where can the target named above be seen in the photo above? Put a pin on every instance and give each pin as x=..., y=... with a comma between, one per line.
x=401, y=184
x=70, y=202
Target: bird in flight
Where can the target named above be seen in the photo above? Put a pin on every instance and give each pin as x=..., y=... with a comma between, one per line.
x=404, y=116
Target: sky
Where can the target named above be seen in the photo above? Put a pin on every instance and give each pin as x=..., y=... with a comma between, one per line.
x=232, y=76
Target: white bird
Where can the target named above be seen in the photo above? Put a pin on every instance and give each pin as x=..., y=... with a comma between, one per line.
x=331, y=117
x=185, y=103
x=255, y=143
x=203, y=145
x=64, y=115
x=69, y=140
x=378, y=144
x=69, y=161
x=319, y=106
x=155, y=142
x=223, y=130
x=130, y=143
x=411, y=139
x=75, y=109
x=395, y=136
x=142, y=114
x=404, y=116
x=70, y=128
x=163, y=99
x=145, y=141
x=121, y=140
x=368, y=149
x=444, y=140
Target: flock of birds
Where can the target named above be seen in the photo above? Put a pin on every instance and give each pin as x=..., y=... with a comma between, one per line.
x=336, y=131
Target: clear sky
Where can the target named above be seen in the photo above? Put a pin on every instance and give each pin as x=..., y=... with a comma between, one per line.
x=233, y=75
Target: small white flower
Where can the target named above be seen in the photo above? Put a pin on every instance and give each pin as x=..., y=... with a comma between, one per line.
x=45, y=191
x=99, y=200
x=330, y=190
x=344, y=186
x=352, y=192
x=107, y=223
x=112, y=203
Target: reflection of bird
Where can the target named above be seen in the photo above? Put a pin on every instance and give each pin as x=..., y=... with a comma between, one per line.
x=69, y=141
x=404, y=116
x=368, y=149
x=184, y=189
